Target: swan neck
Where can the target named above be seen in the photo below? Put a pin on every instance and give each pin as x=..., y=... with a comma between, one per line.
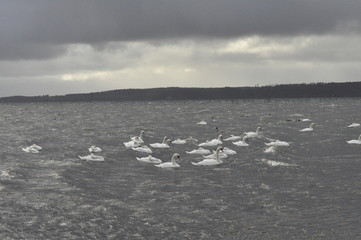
x=359, y=137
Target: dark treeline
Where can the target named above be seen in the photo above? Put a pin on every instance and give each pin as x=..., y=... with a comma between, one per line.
x=314, y=90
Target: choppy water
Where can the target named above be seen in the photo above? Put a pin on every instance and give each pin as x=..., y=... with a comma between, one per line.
x=309, y=190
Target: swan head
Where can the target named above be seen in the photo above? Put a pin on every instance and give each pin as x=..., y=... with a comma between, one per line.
x=312, y=124
x=175, y=156
x=220, y=137
x=258, y=129
x=219, y=149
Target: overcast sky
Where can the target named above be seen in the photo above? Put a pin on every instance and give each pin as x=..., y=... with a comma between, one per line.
x=78, y=46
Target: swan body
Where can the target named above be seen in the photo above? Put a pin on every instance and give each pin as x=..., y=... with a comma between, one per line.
x=353, y=125
x=150, y=159
x=233, y=138
x=221, y=155
x=253, y=134
x=278, y=143
x=199, y=151
x=30, y=149
x=228, y=151
x=213, y=142
x=144, y=149
x=305, y=120
x=210, y=161
x=92, y=157
x=202, y=123
x=164, y=144
x=271, y=149
x=94, y=149
x=171, y=164
x=309, y=129
x=179, y=141
x=355, y=141
x=37, y=147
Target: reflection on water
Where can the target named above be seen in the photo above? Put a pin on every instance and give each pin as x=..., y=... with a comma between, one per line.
x=308, y=190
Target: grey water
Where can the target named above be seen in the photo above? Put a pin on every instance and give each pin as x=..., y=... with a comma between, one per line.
x=308, y=190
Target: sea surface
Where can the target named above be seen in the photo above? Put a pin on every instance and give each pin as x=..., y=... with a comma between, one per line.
x=308, y=190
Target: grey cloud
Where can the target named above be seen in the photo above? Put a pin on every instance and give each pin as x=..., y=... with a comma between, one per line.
x=25, y=24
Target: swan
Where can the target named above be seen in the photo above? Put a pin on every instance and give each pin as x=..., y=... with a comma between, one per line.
x=138, y=139
x=30, y=149
x=191, y=139
x=179, y=141
x=131, y=144
x=355, y=141
x=144, y=149
x=253, y=134
x=149, y=159
x=92, y=157
x=233, y=138
x=353, y=125
x=202, y=123
x=199, y=151
x=171, y=164
x=278, y=143
x=305, y=120
x=242, y=143
x=94, y=149
x=210, y=161
x=271, y=149
x=221, y=155
x=309, y=129
x=213, y=142
x=164, y=144
x=229, y=151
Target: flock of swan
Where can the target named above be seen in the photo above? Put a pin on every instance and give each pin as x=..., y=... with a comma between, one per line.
x=136, y=143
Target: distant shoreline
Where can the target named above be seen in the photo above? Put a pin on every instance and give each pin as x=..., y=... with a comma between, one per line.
x=313, y=90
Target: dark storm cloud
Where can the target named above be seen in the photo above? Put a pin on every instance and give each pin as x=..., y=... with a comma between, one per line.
x=28, y=23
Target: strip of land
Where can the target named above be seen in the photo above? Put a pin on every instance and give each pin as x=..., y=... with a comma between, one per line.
x=314, y=90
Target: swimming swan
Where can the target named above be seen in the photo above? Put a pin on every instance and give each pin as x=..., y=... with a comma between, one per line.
x=213, y=142
x=210, y=161
x=164, y=144
x=232, y=138
x=94, y=149
x=149, y=159
x=242, y=143
x=138, y=139
x=144, y=149
x=309, y=129
x=254, y=134
x=171, y=164
x=92, y=157
x=355, y=141
x=353, y=125
x=131, y=144
x=30, y=149
x=199, y=151
x=278, y=143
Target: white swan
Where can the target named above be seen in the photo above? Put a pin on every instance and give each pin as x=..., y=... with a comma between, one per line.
x=149, y=159
x=233, y=138
x=199, y=151
x=210, y=161
x=30, y=149
x=242, y=143
x=94, y=149
x=229, y=151
x=278, y=143
x=305, y=120
x=355, y=141
x=164, y=144
x=171, y=164
x=271, y=149
x=253, y=134
x=213, y=142
x=353, y=125
x=138, y=139
x=202, y=123
x=179, y=141
x=144, y=149
x=309, y=129
x=92, y=157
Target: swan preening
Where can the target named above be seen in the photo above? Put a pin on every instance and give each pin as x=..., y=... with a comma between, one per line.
x=149, y=159
x=309, y=129
x=92, y=157
x=355, y=141
x=171, y=164
x=211, y=161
